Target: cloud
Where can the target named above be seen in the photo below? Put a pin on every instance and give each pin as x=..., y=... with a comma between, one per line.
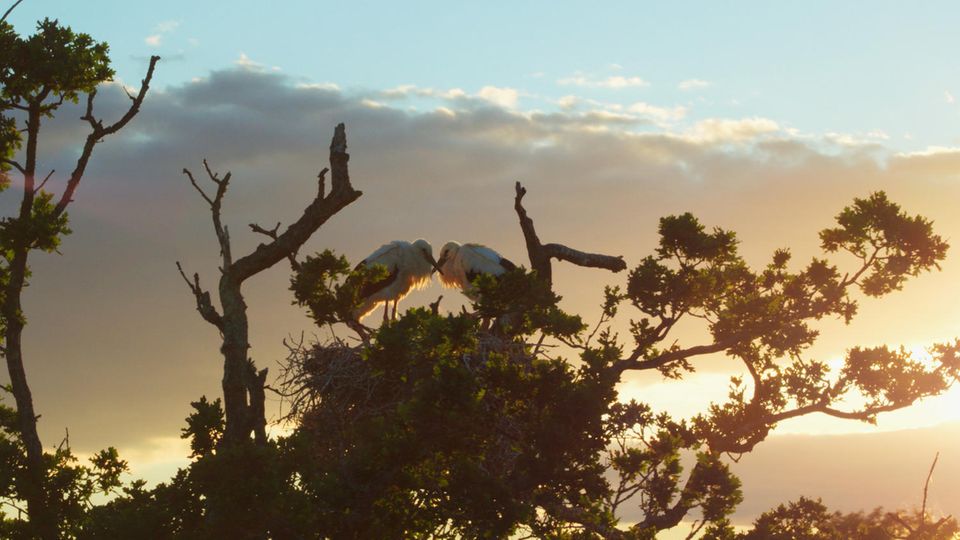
x=948, y=97
x=507, y=98
x=569, y=102
x=504, y=97
x=693, y=84
x=615, y=82
x=713, y=130
x=659, y=114
x=246, y=63
x=163, y=27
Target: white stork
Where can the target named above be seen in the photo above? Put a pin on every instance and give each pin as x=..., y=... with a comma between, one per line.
x=408, y=266
x=461, y=264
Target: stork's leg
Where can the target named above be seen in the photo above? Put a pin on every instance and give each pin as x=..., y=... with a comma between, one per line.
x=386, y=310
x=395, y=308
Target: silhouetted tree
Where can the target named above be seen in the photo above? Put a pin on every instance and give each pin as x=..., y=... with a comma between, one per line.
x=808, y=519
x=437, y=427
x=37, y=74
x=243, y=385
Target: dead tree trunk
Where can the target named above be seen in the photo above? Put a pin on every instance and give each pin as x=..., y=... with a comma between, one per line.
x=541, y=254
x=243, y=384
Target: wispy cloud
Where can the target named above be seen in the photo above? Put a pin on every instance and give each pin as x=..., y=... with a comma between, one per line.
x=948, y=97
x=164, y=27
x=613, y=82
x=714, y=130
x=693, y=84
x=659, y=114
x=568, y=102
x=245, y=62
x=505, y=97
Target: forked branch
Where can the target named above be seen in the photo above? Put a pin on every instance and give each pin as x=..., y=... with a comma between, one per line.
x=540, y=254
x=204, y=305
x=98, y=132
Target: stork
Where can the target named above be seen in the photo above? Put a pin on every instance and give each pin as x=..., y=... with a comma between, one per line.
x=409, y=266
x=460, y=264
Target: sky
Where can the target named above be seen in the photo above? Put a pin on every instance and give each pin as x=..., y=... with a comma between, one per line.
x=764, y=118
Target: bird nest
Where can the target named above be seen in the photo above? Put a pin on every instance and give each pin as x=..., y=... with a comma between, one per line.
x=329, y=387
x=334, y=371
x=321, y=373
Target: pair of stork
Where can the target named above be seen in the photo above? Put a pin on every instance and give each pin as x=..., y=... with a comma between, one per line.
x=411, y=265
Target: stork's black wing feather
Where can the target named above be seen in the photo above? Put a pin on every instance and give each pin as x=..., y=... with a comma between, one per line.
x=373, y=287
x=507, y=264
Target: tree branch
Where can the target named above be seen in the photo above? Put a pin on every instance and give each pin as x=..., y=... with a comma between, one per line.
x=272, y=233
x=754, y=431
x=634, y=362
x=11, y=8
x=315, y=215
x=926, y=487
x=576, y=515
x=44, y=182
x=223, y=235
x=197, y=186
x=580, y=258
x=541, y=254
x=99, y=132
x=204, y=306
x=16, y=165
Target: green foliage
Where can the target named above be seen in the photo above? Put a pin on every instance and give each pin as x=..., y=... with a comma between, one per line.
x=55, y=61
x=326, y=286
x=445, y=426
x=42, y=230
x=10, y=143
x=204, y=427
x=765, y=319
x=891, y=244
x=647, y=455
x=391, y=454
x=70, y=488
x=523, y=304
x=40, y=72
x=808, y=519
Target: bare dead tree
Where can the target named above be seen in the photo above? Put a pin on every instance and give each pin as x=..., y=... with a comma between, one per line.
x=541, y=254
x=243, y=385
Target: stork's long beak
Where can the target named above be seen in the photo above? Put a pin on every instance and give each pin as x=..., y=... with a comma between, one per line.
x=434, y=263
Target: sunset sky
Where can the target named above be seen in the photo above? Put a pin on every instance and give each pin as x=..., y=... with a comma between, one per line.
x=764, y=118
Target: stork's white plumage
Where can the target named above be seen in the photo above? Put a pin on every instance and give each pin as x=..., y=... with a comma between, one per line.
x=461, y=264
x=409, y=266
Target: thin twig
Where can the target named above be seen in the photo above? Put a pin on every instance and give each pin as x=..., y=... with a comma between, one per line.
x=44, y=182
x=926, y=486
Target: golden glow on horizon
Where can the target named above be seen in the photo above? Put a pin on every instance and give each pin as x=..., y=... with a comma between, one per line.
x=693, y=394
